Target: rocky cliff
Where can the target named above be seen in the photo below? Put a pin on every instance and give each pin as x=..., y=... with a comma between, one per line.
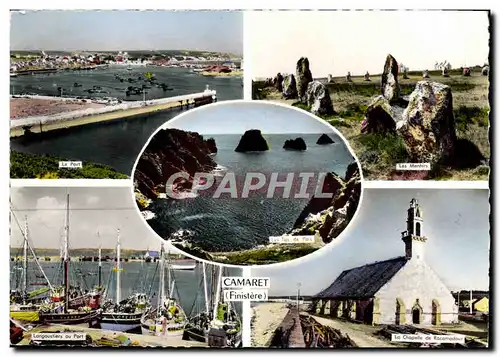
x=169, y=152
x=330, y=216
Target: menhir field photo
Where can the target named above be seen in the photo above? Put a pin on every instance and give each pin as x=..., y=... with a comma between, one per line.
x=236, y=183
x=412, y=100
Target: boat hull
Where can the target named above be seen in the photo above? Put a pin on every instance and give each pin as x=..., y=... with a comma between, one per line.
x=26, y=316
x=151, y=330
x=71, y=318
x=120, y=321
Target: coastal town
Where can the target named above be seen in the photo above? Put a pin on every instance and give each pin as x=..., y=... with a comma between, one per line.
x=22, y=62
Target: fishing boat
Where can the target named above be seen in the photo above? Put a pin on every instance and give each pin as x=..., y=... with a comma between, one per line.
x=24, y=304
x=68, y=303
x=219, y=325
x=123, y=315
x=168, y=317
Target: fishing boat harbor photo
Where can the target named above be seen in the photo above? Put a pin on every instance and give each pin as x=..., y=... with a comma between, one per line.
x=157, y=301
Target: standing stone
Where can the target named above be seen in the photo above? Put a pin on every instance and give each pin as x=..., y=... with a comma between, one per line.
x=304, y=77
x=445, y=72
x=318, y=98
x=428, y=125
x=405, y=73
x=390, y=85
x=269, y=82
x=348, y=77
x=278, y=82
x=379, y=117
x=485, y=71
x=467, y=72
x=330, y=78
x=367, y=77
x=289, y=87
x=426, y=74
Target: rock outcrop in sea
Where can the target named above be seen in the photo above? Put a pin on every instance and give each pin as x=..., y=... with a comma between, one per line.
x=328, y=217
x=211, y=145
x=389, y=85
x=317, y=96
x=428, y=125
x=295, y=144
x=252, y=140
x=303, y=78
x=169, y=152
x=289, y=87
x=324, y=139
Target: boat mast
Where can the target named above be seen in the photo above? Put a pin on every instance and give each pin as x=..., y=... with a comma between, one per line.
x=217, y=292
x=66, y=258
x=169, y=277
x=161, y=287
x=25, y=260
x=118, y=266
x=207, y=308
x=99, y=278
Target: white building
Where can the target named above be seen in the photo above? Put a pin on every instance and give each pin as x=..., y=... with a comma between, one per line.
x=402, y=290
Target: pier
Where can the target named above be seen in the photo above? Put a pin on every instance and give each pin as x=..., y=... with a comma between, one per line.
x=40, y=124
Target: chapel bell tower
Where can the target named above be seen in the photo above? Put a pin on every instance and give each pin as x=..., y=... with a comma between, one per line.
x=413, y=237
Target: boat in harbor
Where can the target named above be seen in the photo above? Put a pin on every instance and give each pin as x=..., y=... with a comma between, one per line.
x=68, y=304
x=123, y=315
x=219, y=324
x=168, y=317
x=24, y=304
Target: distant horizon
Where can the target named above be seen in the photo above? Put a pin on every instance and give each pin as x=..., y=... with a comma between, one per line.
x=125, y=50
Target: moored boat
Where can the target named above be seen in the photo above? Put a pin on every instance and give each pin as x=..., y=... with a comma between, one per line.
x=123, y=315
x=69, y=305
x=168, y=317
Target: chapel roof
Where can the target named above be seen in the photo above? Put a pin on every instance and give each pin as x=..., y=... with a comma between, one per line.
x=363, y=281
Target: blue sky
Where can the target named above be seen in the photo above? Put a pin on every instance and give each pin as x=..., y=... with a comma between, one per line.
x=237, y=117
x=127, y=30
x=456, y=224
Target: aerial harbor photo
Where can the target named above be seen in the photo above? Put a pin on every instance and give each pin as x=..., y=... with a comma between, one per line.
x=429, y=284
x=248, y=183
x=411, y=99
x=73, y=84
x=78, y=270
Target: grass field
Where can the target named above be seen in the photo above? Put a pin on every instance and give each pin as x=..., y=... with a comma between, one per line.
x=24, y=166
x=379, y=154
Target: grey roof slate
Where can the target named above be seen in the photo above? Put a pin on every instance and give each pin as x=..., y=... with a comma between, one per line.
x=363, y=281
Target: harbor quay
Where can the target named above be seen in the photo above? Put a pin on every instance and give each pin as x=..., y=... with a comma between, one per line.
x=39, y=124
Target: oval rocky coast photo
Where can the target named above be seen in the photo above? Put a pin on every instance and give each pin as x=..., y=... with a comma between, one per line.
x=247, y=183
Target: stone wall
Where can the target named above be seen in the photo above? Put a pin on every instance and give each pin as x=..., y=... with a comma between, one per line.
x=416, y=280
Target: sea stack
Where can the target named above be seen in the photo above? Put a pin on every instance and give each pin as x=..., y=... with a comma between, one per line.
x=252, y=140
x=295, y=144
x=324, y=140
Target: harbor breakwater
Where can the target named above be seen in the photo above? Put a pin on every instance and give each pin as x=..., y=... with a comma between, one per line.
x=40, y=124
